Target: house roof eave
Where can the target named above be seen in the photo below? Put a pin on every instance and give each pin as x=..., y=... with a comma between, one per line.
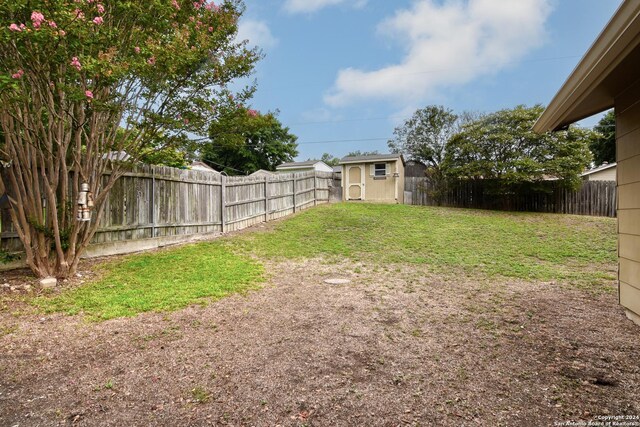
x=585, y=91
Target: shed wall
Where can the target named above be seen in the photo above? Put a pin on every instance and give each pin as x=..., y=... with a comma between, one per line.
x=387, y=189
x=628, y=177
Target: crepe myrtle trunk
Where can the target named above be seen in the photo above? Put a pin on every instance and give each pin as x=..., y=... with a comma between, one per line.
x=45, y=165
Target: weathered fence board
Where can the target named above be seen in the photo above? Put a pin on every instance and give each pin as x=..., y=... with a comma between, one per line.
x=155, y=201
x=596, y=198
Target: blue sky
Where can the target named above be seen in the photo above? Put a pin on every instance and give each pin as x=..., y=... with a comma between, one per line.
x=350, y=71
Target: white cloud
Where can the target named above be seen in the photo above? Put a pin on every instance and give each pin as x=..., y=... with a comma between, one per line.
x=446, y=44
x=257, y=32
x=309, y=6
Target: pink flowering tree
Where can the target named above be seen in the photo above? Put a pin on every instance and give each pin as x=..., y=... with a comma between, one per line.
x=83, y=81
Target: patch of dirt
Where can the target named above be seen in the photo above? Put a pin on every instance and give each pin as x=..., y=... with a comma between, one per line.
x=396, y=346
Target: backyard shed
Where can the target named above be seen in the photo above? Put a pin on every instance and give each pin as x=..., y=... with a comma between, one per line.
x=375, y=178
x=607, y=76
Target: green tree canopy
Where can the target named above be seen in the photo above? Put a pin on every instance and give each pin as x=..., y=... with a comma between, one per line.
x=502, y=146
x=424, y=136
x=244, y=141
x=330, y=159
x=603, y=147
x=327, y=158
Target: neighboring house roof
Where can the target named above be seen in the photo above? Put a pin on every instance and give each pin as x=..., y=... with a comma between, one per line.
x=337, y=169
x=200, y=166
x=317, y=165
x=609, y=67
x=297, y=165
x=121, y=156
x=371, y=158
x=262, y=173
x=309, y=164
x=599, y=169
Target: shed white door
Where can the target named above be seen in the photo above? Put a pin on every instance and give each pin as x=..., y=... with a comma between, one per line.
x=355, y=183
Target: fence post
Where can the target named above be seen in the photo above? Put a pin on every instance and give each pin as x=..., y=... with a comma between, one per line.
x=315, y=188
x=222, y=201
x=266, y=199
x=294, y=193
x=153, y=201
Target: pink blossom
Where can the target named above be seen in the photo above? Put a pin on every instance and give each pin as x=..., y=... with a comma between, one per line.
x=75, y=62
x=186, y=121
x=212, y=6
x=175, y=4
x=252, y=113
x=197, y=5
x=18, y=74
x=137, y=49
x=211, y=29
x=53, y=24
x=98, y=20
x=152, y=60
x=14, y=27
x=100, y=8
x=79, y=14
x=88, y=94
x=37, y=18
x=62, y=33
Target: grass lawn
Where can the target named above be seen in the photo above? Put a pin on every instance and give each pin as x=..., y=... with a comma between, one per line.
x=159, y=281
x=577, y=249
x=580, y=251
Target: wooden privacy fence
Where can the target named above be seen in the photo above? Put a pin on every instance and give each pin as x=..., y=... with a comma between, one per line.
x=161, y=202
x=597, y=198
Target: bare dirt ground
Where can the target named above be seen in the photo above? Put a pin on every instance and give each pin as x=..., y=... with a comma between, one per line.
x=396, y=346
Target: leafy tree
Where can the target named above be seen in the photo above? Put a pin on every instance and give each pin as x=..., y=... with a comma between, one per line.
x=424, y=136
x=603, y=147
x=244, y=141
x=502, y=146
x=156, y=153
x=168, y=156
x=72, y=73
x=329, y=159
x=362, y=153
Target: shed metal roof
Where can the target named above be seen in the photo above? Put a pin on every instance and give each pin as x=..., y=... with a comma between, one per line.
x=371, y=158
